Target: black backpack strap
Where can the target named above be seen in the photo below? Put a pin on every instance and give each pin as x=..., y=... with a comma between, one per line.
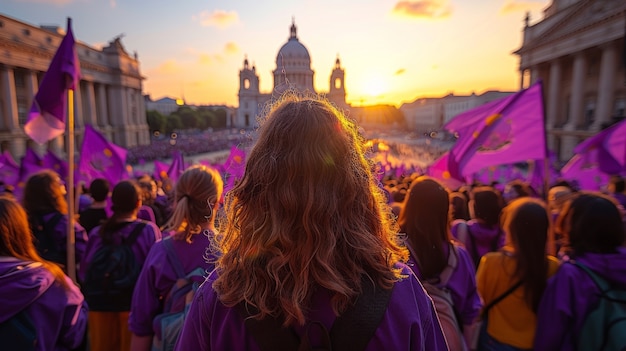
x=500, y=298
x=354, y=329
x=132, y=237
x=269, y=333
x=474, y=252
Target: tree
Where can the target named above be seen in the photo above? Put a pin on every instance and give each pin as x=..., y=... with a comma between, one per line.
x=156, y=121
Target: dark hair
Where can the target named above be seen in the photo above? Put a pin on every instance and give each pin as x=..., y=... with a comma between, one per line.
x=125, y=198
x=43, y=194
x=618, y=184
x=460, y=209
x=595, y=224
x=99, y=189
x=527, y=222
x=425, y=221
x=487, y=204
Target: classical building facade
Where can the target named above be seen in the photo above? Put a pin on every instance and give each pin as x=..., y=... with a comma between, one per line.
x=293, y=72
x=110, y=95
x=576, y=50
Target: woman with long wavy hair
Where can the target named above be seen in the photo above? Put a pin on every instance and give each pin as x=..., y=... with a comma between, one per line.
x=34, y=289
x=308, y=230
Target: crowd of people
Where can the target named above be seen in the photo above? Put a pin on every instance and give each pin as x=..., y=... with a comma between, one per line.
x=309, y=249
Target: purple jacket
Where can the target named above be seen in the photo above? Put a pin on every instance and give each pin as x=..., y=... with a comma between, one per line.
x=158, y=277
x=462, y=285
x=486, y=238
x=410, y=322
x=60, y=315
x=60, y=235
x=149, y=235
x=570, y=296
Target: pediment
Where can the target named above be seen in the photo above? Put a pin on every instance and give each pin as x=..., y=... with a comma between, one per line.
x=574, y=19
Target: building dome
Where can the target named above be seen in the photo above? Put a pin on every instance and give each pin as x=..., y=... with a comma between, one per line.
x=293, y=53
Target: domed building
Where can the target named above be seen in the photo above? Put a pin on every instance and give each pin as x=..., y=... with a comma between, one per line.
x=293, y=71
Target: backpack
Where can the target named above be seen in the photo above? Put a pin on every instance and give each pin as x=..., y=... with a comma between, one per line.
x=45, y=242
x=112, y=274
x=18, y=333
x=351, y=331
x=604, y=327
x=442, y=301
x=169, y=323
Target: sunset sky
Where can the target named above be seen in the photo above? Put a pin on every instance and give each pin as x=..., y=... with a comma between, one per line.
x=393, y=51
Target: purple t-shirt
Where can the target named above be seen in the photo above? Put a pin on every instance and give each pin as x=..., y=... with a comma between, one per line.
x=409, y=323
x=157, y=278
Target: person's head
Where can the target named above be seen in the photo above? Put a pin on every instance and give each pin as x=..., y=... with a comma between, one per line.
x=44, y=192
x=593, y=224
x=460, y=209
x=307, y=212
x=99, y=189
x=516, y=189
x=486, y=204
x=126, y=199
x=616, y=185
x=196, y=197
x=425, y=220
x=557, y=196
x=17, y=239
x=148, y=190
x=526, y=223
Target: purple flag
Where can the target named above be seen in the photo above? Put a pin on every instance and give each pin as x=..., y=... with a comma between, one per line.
x=439, y=171
x=46, y=119
x=31, y=157
x=609, y=148
x=583, y=170
x=160, y=170
x=509, y=130
x=177, y=167
x=234, y=166
x=100, y=158
x=26, y=170
x=9, y=170
x=52, y=161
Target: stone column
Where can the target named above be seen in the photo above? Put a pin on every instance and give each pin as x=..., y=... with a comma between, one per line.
x=91, y=113
x=31, y=89
x=576, y=105
x=10, y=117
x=521, y=78
x=79, y=117
x=553, y=103
x=102, y=111
x=605, y=87
x=534, y=75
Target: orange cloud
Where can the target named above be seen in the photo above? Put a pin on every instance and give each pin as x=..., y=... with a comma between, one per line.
x=423, y=8
x=515, y=6
x=169, y=67
x=231, y=48
x=217, y=18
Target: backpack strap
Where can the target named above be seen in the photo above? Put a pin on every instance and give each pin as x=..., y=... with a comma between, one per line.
x=354, y=329
x=172, y=258
x=474, y=251
x=500, y=298
x=447, y=272
x=132, y=237
x=600, y=282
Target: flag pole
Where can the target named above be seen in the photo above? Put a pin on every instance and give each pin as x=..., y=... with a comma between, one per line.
x=71, y=237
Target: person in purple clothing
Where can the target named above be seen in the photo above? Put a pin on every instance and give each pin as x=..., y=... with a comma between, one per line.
x=33, y=288
x=305, y=224
x=596, y=237
x=44, y=201
x=482, y=233
x=108, y=312
x=425, y=219
x=191, y=231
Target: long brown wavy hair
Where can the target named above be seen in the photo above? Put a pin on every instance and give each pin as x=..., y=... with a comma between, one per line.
x=17, y=239
x=425, y=219
x=527, y=224
x=307, y=214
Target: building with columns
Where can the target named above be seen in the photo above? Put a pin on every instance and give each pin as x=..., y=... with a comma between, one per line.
x=110, y=95
x=293, y=72
x=576, y=50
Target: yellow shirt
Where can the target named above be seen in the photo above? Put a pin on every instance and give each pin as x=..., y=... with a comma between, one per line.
x=511, y=321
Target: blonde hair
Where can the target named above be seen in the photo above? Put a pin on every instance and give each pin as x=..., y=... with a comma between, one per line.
x=196, y=195
x=308, y=213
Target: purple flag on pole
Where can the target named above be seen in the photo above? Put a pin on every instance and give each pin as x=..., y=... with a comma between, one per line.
x=46, y=119
x=52, y=161
x=160, y=170
x=234, y=167
x=510, y=130
x=439, y=171
x=177, y=167
x=583, y=170
x=100, y=158
x=31, y=157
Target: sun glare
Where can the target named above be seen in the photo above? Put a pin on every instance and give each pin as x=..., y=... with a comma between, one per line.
x=375, y=86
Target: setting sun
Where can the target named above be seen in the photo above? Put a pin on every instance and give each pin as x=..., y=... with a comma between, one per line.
x=375, y=86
